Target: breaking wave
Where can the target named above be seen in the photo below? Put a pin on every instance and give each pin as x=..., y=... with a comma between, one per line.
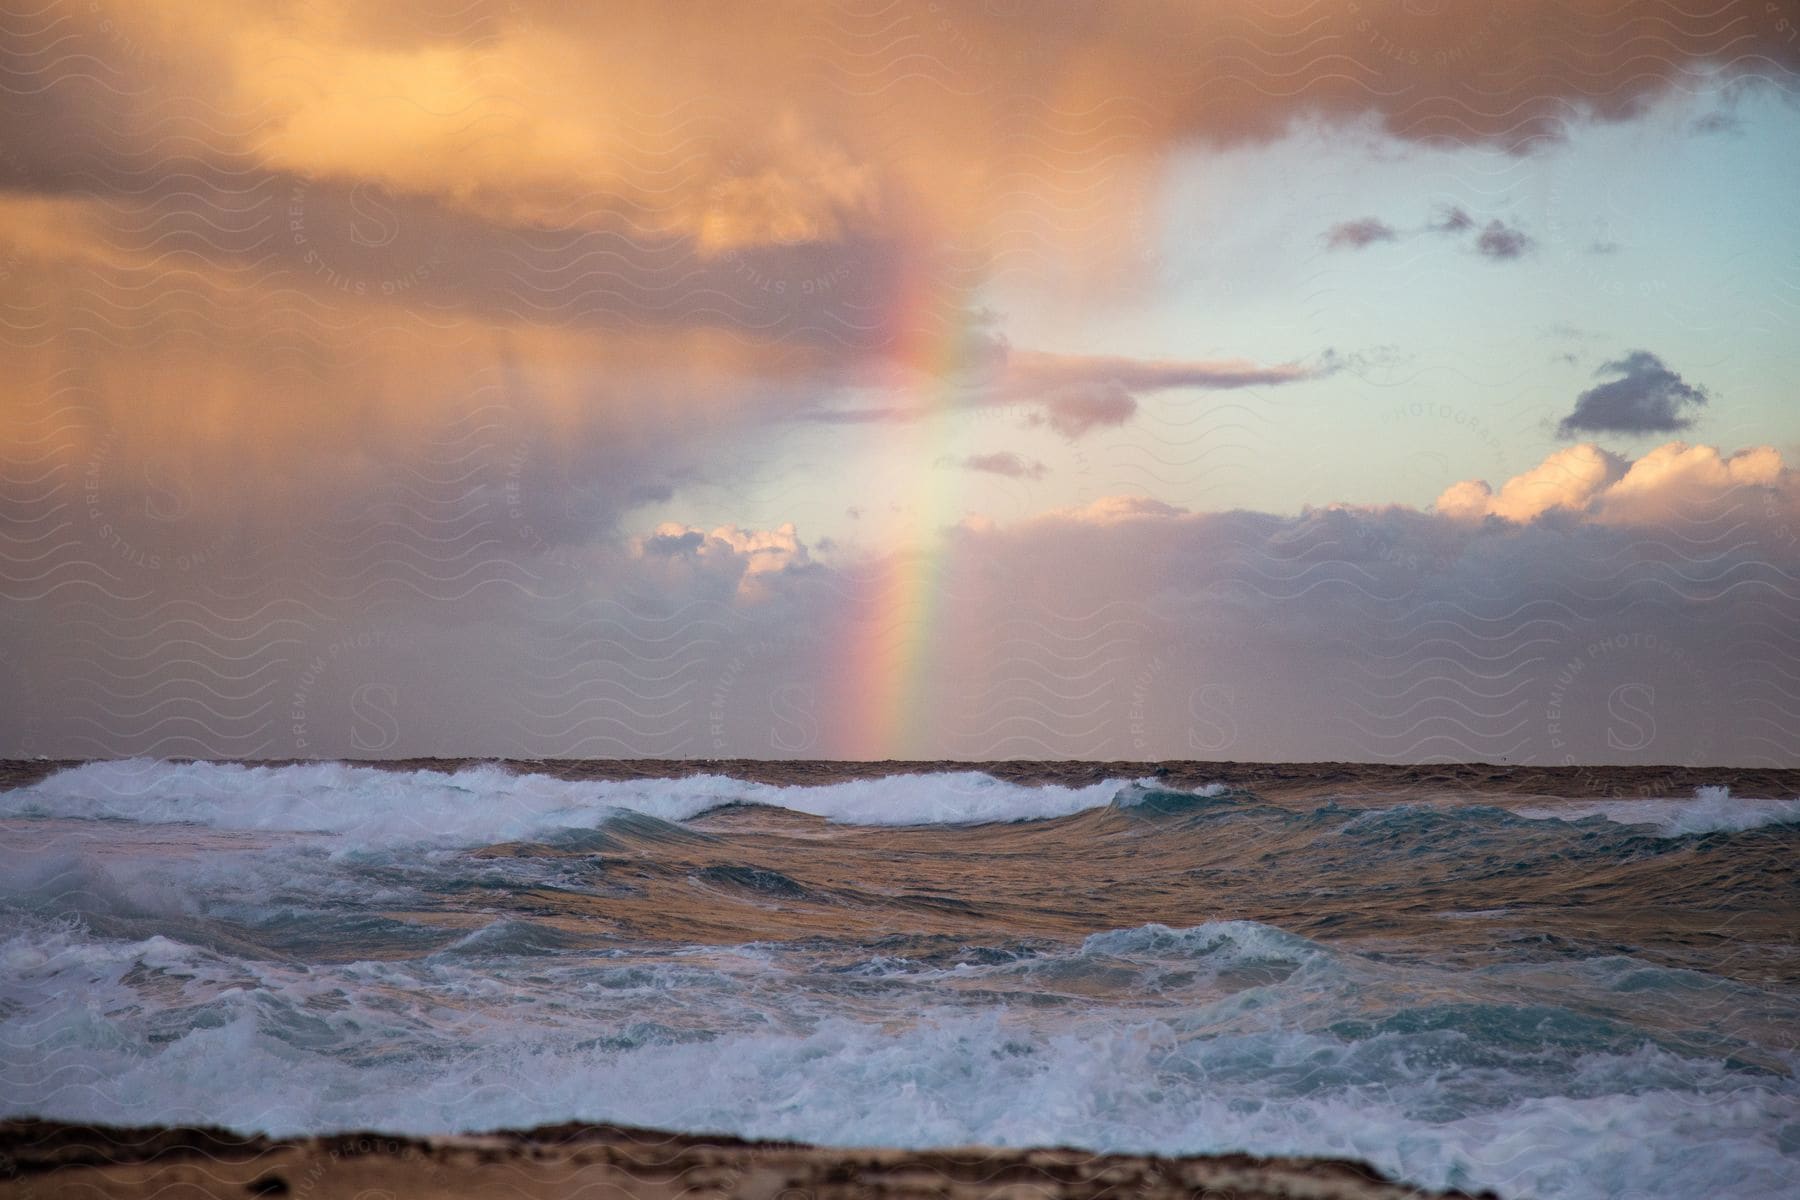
x=480, y=805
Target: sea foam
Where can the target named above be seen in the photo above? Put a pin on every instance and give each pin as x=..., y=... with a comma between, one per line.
x=1709, y=810
x=377, y=808
x=1441, y=1092
x=306, y=948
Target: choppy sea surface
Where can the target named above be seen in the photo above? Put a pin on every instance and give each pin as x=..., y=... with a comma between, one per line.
x=1546, y=997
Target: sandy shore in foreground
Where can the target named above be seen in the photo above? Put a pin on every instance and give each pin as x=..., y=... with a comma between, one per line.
x=44, y=1158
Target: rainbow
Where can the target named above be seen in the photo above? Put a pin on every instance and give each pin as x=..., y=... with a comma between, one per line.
x=896, y=648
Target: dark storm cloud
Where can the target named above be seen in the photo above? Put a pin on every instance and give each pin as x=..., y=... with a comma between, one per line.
x=335, y=321
x=195, y=132
x=1339, y=632
x=1349, y=632
x=1647, y=397
x=1355, y=235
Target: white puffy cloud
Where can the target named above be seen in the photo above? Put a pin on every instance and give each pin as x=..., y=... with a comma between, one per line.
x=1568, y=479
x=1663, y=485
x=1670, y=480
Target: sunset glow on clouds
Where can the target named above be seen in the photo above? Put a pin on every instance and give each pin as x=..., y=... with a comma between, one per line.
x=1656, y=488
x=985, y=375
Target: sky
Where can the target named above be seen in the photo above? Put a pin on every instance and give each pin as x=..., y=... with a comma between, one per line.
x=1389, y=380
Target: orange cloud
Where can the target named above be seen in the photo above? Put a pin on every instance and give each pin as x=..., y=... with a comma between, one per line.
x=1111, y=510
x=1667, y=481
x=745, y=125
x=1568, y=479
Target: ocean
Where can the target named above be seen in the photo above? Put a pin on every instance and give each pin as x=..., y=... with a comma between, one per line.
x=1549, y=996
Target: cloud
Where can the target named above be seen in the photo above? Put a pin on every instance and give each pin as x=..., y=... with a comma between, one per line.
x=1676, y=479
x=1647, y=397
x=1497, y=239
x=1568, y=479
x=1075, y=394
x=1355, y=235
x=1080, y=408
x=742, y=558
x=1029, y=371
x=1004, y=462
x=374, y=201
x=1500, y=240
x=1111, y=510
x=346, y=313
x=670, y=541
x=1338, y=633
x=1452, y=218
x=1716, y=122
x=546, y=115
x=763, y=550
x=1585, y=480
x=1391, y=633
